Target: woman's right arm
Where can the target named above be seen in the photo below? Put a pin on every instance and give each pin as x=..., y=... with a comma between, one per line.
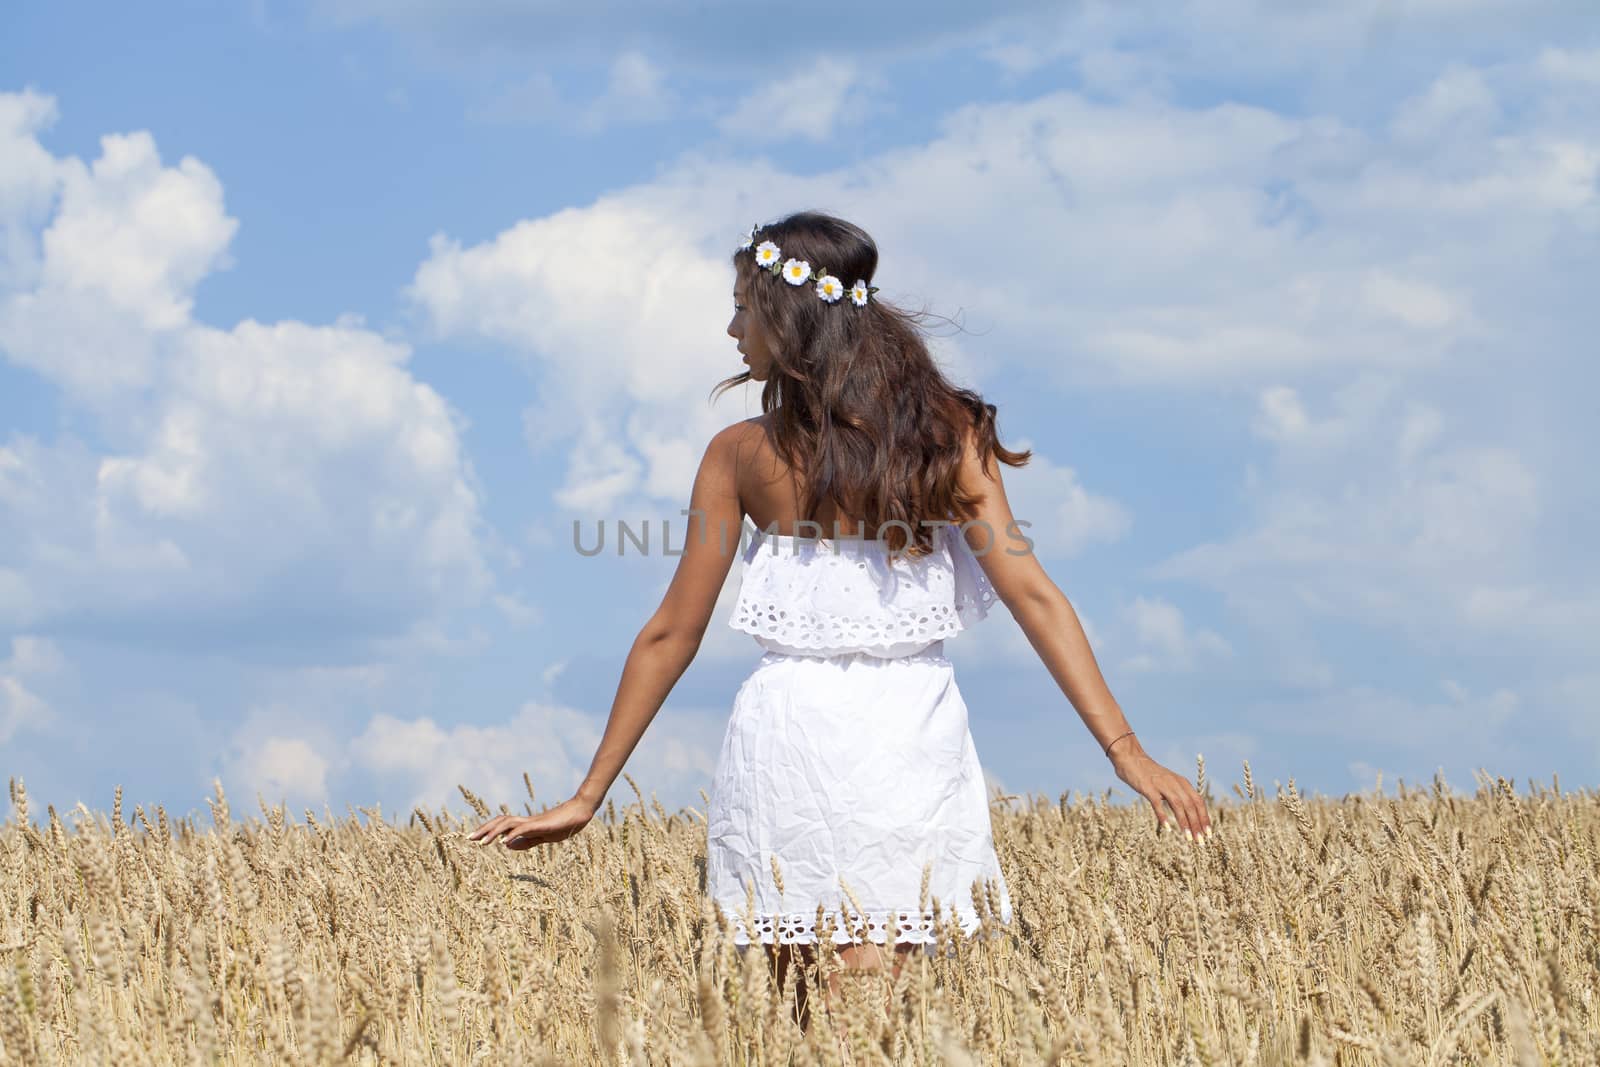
x=661, y=652
x=1052, y=627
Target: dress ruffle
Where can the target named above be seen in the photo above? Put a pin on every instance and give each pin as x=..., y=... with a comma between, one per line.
x=809, y=595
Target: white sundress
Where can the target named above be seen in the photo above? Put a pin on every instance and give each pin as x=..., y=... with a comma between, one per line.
x=848, y=755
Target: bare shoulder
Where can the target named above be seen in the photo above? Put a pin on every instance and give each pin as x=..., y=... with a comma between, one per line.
x=736, y=439
x=993, y=532
x=734, y=432
x=978, y=472
x=730, y=455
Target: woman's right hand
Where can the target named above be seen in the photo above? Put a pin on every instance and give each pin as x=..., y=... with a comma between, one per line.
x=1156, y=784
x=524, y=831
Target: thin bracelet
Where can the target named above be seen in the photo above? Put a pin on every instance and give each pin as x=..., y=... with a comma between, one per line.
x=1114, y=740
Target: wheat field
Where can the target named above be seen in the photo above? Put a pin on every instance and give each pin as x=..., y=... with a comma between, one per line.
x=1418, y=926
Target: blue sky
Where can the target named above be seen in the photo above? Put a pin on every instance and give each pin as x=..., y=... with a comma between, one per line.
x=321, y=322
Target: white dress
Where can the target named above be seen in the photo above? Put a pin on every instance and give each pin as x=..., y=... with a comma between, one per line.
x=847, y=757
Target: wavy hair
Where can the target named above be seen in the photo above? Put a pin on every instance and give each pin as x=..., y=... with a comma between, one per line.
x=857, y=405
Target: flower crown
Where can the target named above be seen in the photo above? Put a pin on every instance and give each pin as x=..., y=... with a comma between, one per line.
x=798, y=272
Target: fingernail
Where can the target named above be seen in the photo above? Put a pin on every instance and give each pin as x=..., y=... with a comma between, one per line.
x=1191, y=835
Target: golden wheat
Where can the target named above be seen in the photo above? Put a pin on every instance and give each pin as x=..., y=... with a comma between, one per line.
x=1418, y=927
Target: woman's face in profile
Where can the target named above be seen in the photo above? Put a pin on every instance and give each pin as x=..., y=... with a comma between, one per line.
x=745, y=328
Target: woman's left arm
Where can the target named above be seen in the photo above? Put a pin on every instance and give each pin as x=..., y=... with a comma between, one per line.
x=663, y=649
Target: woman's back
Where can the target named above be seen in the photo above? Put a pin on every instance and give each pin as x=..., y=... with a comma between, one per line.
x=771, y=491
x=825, y=589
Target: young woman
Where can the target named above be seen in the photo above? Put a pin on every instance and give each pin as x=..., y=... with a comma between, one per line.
x=847, y=771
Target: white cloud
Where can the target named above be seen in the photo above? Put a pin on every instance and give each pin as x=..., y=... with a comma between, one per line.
x=20, y=707
x=517, y=609
x=636, y=91
x=552, y=743
x=1310, y=50
x=1064, y=517
x=115, y=268
x=261, y=480
x=720, y=35
x=549, y=675
x=1367, y=776
x=1562, y=64
x=285, y=768
x=810, y=104
x=1460, y=726
x=1282, y=418
x=1431, y=521
x=1578, y=690
x=1224, y=750
x=289, y=739
x=1165, y=641
x=34, y=655
x=28, y=183
x=1458, y=103
x=610, y=305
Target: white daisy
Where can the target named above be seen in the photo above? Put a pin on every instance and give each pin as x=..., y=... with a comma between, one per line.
x=766, y=254
x=749, y=239
x=830, y=288
x=858, y=293
x=796, y=271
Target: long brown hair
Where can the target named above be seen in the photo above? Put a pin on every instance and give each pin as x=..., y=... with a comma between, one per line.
x=855, y=400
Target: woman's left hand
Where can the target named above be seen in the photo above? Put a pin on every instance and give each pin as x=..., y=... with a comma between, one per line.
x=1157, y=784
x=524, y=831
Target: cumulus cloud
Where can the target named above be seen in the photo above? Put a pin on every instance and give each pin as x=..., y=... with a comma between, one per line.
x=810, y=104
x=94, y=299
x=269, y=483
x=1459, y=726
x=34, y=655
x=285, y=768
x=20, y=707
x=636, y=91
x=1307, y=52
x=552, y=743
x=1570, y=65
x=1166, y=641
x=611, y=306
x=28, y=183
x=1063, y=517
x=721, y=34
x=1433, y=528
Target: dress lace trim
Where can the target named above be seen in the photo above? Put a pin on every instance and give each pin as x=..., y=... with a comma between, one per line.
x=850, y=595
x=914, y=927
